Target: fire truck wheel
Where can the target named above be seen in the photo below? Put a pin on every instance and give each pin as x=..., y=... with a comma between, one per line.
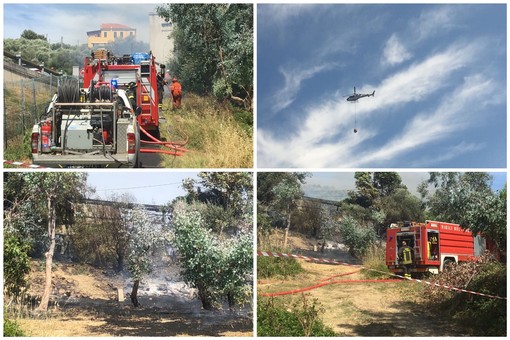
x=448, y=263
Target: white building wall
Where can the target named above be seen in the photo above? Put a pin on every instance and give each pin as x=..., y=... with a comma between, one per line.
x=161, y=43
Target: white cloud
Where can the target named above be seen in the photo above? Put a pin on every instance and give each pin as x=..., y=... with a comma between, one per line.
x=293, y=78
x=395, y=52
x=438, y=19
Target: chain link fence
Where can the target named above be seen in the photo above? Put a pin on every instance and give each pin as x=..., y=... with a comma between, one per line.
x=26, y=96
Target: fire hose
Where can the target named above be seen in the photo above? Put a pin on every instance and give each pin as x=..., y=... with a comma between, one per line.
x=331, y=261
x=176, y=146
x=323, y=283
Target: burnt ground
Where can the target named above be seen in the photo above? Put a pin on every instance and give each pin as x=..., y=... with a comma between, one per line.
x=85, y=303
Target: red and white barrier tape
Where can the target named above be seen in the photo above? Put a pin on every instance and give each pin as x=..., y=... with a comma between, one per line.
x=24, y=165
x=322, y=260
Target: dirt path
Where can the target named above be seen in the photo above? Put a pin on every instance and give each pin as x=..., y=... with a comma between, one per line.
x=85, y=304
x=362, y=308
x=365, y=309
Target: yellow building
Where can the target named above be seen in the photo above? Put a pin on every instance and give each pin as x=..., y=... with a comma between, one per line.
x=109, y=33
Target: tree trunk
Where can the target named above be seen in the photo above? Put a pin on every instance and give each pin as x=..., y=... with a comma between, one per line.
x=285, y=238
x=134, y=294
x=204, y=297
x=52, y=225
x=231, y=300
x=120, y=262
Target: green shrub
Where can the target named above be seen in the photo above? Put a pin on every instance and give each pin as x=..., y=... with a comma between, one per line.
x=16, y=265
x=481, y=316
x=486, y=316
x=356, y=237
x=300, y=319
x=11, y=328
x=18, y=149
x=277, y=266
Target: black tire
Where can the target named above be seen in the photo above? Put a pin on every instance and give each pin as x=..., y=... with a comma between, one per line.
x=447, y=264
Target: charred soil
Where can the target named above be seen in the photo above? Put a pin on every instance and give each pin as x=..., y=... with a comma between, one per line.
x=85, y=302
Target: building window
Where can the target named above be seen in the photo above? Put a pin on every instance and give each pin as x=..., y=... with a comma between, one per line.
x=104, y=34
x=122, y=34
x=114, y=35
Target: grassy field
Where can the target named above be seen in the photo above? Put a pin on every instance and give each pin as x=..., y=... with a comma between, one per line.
x=352, y=305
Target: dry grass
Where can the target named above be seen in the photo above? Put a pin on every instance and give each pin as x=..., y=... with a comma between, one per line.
x=55, y=327
x=216, y=138
x=361, y=308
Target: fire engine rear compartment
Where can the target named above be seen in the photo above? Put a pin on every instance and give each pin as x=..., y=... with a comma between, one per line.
x=433, y=244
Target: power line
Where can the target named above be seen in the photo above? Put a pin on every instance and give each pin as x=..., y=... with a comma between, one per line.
x=140, y=187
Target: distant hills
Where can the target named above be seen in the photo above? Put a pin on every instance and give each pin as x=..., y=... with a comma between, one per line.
x=324, y=192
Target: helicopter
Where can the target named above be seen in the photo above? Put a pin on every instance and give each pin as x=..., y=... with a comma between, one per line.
x=355, y=96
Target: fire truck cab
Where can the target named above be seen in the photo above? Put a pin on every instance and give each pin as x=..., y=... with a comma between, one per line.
x=435, y=245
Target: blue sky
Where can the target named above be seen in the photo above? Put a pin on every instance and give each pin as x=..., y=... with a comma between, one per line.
x=439, y=72
x=73, y=21
x=155, y=187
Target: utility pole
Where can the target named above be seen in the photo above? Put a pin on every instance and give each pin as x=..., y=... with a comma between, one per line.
x=5, y=125
x=22, y=108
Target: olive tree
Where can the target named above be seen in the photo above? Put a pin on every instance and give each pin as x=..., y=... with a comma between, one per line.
x=144, y=236
x=51, y=197
x=215, y=267
x=356, y=237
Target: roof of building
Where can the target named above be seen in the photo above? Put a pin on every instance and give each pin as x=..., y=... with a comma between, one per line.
x=115, y=26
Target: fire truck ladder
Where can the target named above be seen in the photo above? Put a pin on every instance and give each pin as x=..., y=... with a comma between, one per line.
x=146, y=89
x=145, y=92
x=417, y=244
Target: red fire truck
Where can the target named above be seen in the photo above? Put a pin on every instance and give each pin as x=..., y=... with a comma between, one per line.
x=98, y=123
x=435, y=245
x=140, y=68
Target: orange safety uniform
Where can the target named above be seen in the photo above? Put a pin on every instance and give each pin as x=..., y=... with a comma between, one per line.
x=176, y=91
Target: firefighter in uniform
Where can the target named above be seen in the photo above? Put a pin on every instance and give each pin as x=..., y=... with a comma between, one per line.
x=405, y=258
x=432, y=246
x=176, y=90
x=160, y=77
x=131, y=94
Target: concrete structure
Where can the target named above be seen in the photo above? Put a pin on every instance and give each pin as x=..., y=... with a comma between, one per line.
x=161, y=40
x=108, y=33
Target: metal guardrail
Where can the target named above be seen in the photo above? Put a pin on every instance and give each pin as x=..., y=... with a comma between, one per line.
x=27, y=73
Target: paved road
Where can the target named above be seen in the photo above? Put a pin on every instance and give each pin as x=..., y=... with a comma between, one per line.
x=150, y=160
